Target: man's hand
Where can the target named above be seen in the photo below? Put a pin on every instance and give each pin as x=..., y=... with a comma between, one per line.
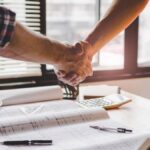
x=76, y=64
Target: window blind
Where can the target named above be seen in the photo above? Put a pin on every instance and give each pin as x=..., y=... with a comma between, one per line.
x=28, y=13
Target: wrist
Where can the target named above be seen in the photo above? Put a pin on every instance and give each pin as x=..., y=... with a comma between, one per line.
x=63, y=57
x=57, y=51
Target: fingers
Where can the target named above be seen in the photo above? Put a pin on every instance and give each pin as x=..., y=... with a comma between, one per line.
x=60, y=73
x=77, y=49
x=68, y=78
x=78, y=61
x=73, y=78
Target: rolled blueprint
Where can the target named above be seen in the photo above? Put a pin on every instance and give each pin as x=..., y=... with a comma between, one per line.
x=30, y=95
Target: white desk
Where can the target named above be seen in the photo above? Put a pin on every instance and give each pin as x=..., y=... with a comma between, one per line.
x=135, y=114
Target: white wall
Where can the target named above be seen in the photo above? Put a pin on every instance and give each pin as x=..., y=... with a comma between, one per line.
x=139, y=86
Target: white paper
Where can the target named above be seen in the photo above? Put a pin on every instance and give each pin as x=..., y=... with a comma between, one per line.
x=30, y=95
x=49, y=119
x=79, y=137
x=69, y=128
x=23, y=110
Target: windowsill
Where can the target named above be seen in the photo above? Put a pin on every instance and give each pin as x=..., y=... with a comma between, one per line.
x=100, y=68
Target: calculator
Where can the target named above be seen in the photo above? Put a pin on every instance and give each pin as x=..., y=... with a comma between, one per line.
x=107, y=102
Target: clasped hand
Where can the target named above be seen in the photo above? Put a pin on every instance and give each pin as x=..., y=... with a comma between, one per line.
x=75, y=65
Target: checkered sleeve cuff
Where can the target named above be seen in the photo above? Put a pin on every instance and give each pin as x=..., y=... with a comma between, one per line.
x=7, y=23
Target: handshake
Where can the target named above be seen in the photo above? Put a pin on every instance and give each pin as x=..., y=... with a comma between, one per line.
x=74, y=63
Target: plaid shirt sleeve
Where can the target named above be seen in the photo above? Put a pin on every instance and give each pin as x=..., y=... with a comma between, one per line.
x=7, y=23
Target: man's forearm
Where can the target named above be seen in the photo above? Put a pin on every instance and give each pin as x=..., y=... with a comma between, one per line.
x=118, y=17
x=30, y=46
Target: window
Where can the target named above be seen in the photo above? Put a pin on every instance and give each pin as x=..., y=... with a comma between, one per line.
x=75, y=16
x=144, y=36
x=111, y=56
x=70, y=21
x=28, y=12
x=20, y=73
x=126, y=56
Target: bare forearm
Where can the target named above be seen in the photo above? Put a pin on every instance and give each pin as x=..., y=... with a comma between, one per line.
x=118, y=17
x=29, y=46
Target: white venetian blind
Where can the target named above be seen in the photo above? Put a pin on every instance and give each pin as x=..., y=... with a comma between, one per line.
x=28, y=13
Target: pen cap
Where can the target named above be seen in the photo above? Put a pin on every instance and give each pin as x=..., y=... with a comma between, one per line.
x=41, y=142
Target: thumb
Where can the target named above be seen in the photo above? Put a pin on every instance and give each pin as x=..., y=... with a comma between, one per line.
x=77, y=49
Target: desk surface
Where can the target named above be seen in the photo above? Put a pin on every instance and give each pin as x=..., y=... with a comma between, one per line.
x=135, y=114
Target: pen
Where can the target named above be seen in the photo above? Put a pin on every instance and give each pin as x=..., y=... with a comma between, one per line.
x=28, y=143
x=120, y=130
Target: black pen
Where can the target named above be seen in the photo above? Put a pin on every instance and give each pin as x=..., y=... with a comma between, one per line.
x=120, y=130
x=27, y=142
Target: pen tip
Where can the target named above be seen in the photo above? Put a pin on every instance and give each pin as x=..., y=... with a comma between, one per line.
x=95, y=127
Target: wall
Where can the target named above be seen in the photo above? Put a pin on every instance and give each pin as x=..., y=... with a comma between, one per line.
x=139, y=86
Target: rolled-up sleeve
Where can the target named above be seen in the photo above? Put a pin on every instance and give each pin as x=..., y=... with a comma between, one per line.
x=7, y=24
